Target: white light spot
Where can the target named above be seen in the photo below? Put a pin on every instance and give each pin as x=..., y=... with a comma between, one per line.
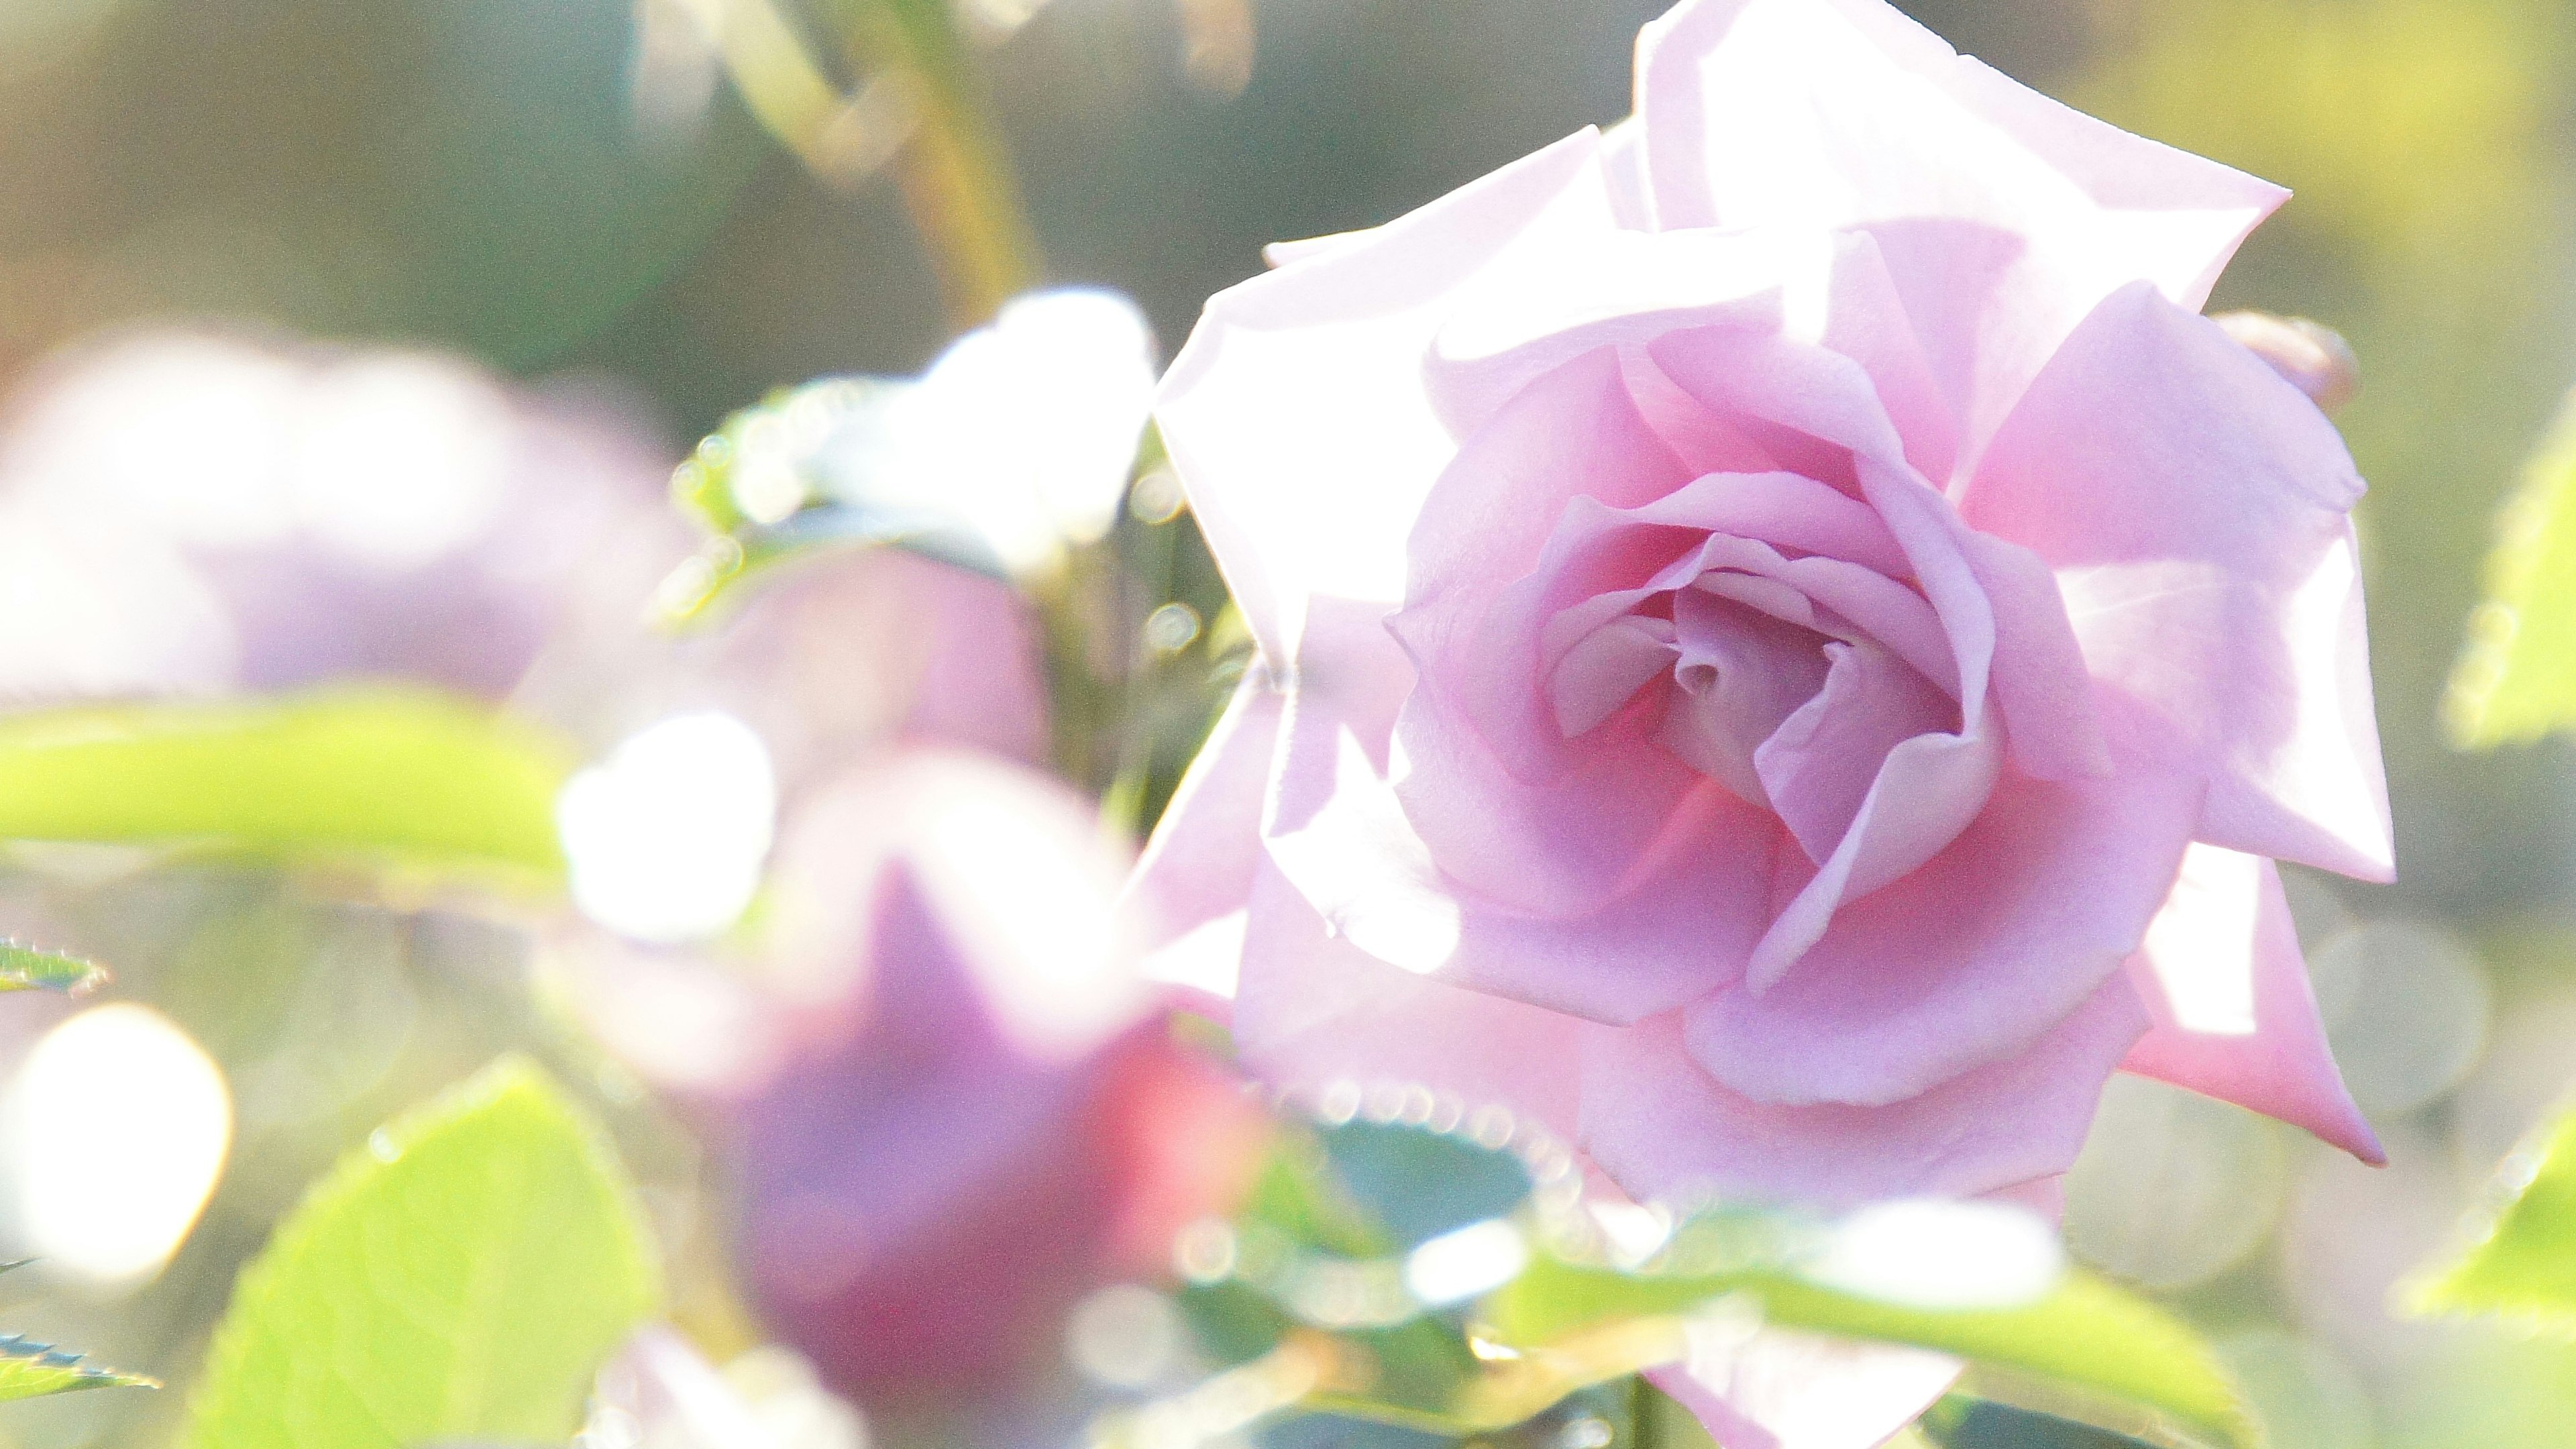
x=1026, y=429
x=1124, y=1336
x=116, y=1127
x=1636, y=1233
x=667, y=838
x=1462, y=1263
x=1938, y=1254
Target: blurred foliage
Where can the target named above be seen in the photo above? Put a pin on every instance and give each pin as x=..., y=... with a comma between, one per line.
x=2521, y=1262
x=2095, y=1351
x=1311, y=1303
x=408, y=778
x=464, y=1274
x=2517, y=680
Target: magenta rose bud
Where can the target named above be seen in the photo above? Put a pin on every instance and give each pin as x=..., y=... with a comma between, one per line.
x=1789, y=648
x=973, y=1113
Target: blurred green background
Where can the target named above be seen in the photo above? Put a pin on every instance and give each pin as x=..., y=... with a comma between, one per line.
x=573, y=186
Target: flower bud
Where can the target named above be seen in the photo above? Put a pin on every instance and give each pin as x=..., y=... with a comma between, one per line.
x=2312, y=356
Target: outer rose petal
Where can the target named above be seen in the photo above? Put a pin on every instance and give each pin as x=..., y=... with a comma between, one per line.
x=2234, y=1015
x=1297, y=416
x=2194, y=507
x=1193, y=884
x=1962, y=963
x=1666, y=1129
x=1829, y=113
x=1313, y=1010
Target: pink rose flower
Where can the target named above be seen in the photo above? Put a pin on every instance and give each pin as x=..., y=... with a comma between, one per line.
x=1789, y=649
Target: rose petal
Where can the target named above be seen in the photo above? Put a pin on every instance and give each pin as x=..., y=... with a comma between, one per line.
x=1821, y=762
x=1313, y=1011
x=1965, y=961
x=1296, y=416
x=1926, y=791
x=2194, y=507
x=1196, y=872
x=2235, y=1017
x=2004, y=627
x=1675, y=921
x=1766, y=113
x=1666, y=1129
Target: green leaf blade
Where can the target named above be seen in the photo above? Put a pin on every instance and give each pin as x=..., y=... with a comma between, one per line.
x=24, y=968
x=30, y=1370
x=2516, y=680
x=462, y=1276
x=2520, y=1260
x=404, y=777
x=2089, y=1345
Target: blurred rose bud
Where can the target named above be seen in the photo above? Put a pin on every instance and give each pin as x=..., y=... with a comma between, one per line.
x=191, y=512
x=828, y=658
x=949, y=1097
x=709, y=737
x=2314, y=357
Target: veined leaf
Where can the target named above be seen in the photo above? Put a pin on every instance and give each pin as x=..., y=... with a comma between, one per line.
x=462, y=1276
x=31, y=1370
x=2088, y=1345
x=405, y=777
x=2516, y=680
x=2520, y=1262
x=24, y=968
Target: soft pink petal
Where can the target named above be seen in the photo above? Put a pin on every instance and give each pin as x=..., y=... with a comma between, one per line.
x=1572, y=432
x=1666, y=1129
x=1819, y=765
x=1487, y=778
x=1623, y=160
x=1193, y=883
x=2194, y=507
x=1965, y=961
x=1765, y=113
x=1927, y=790
x=1738, y=674
x=2004, y=626
x=2235, y=1018
x=1675, y=922
x=1297, y=417
x=1313, y=1011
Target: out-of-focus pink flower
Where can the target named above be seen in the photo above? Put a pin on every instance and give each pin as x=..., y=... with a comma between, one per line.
x=943, y=1083
x=191, y=512
x=1789, y=649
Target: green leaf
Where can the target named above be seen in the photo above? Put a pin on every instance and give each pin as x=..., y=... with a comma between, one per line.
x=2520, y=1259
x=2088, y=1350
x=24, y=968
x=462, y=1276
x=2516, y=680
x=31, y=1370
x=398, y=777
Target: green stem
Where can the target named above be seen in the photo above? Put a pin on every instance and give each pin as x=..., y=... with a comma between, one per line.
x=955, y=170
